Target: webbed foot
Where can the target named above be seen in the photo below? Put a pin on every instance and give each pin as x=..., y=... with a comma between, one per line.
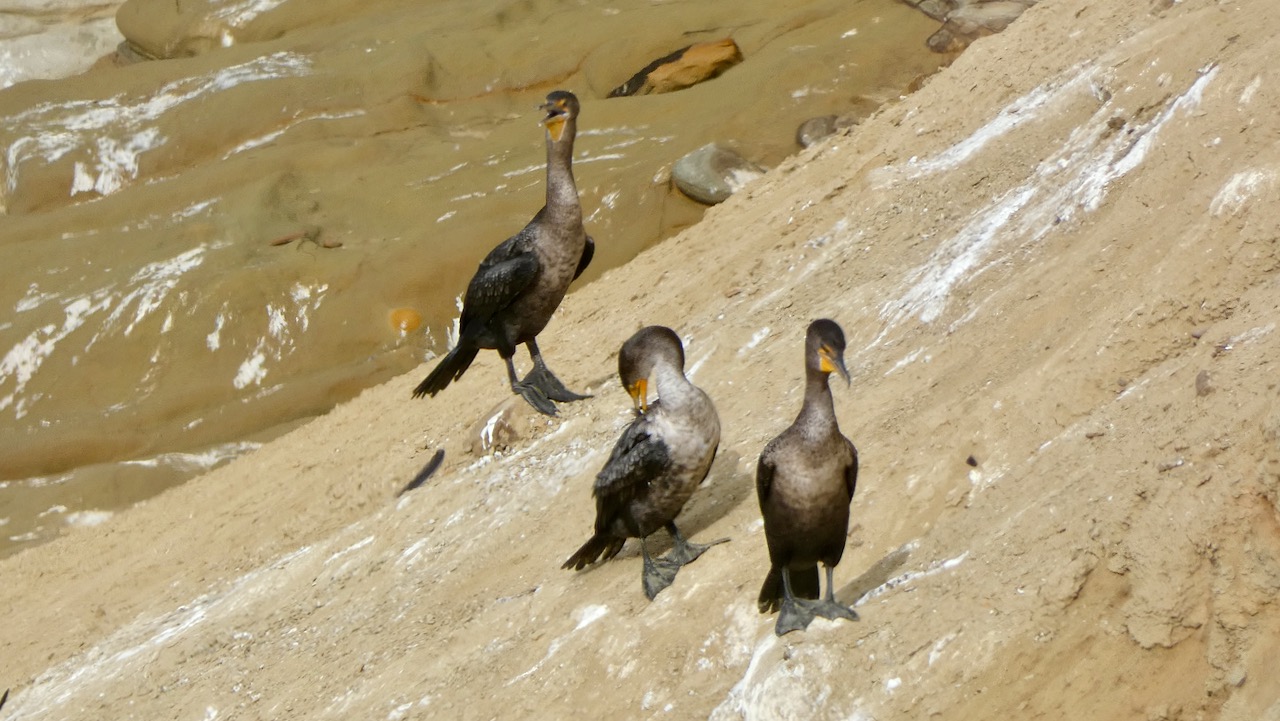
x=658, y=575
x=535, y=397
x=833, y=611
x=687, y=551
x=795, y=615
x=544, y=380
x=798, y=613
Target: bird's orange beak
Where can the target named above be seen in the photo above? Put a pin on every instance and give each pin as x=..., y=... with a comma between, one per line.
x=555, y=120
x=639, y=395
x=831, y=362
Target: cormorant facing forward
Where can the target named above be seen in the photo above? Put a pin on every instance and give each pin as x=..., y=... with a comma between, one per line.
x=522, y=281
x=805, y=481
x=662, y=456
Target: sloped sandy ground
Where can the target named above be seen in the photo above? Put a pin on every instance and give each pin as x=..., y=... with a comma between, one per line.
x=1058, y=259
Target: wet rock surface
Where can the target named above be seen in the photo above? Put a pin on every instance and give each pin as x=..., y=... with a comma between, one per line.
x=49, y=39
x=222, y=235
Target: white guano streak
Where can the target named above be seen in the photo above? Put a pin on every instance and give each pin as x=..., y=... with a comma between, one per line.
x=241, y=13
x=148, y=288
x=116, y=131
x=278, y=340
x=1075, y=178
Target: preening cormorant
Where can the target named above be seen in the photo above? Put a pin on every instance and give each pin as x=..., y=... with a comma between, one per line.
x=805, y=480
x=522, y=281
x=661, y=457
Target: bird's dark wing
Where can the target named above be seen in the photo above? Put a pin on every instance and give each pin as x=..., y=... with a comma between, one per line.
x=638, y=457
x=851, y=471
x=588, y=251
x=764, y=475
x=501, y=278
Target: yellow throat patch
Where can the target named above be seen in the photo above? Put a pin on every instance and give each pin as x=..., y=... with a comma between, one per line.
x=555, y=126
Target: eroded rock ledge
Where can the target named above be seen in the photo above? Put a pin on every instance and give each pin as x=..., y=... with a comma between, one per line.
x=964, y=21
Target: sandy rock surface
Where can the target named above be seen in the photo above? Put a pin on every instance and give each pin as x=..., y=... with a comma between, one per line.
x=1057, y=268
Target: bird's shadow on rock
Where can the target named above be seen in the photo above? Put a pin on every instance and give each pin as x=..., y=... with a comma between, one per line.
x=880, y=574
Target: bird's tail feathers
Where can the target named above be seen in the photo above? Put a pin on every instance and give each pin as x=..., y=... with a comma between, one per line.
x=449, y=369
x=770, y=599
x=597, y=547
x=804, y=584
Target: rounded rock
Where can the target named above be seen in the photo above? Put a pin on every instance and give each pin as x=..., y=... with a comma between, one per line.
x=712, y=173
x=815, y=129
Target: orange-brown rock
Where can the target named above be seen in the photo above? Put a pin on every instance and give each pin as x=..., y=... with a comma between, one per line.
x=685, y=67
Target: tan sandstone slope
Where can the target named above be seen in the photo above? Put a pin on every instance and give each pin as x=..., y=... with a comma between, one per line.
x=1058, y=259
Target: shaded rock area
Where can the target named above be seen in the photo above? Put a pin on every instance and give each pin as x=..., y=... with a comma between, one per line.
x=684, y=68
x=964, y=21
x=712, y=173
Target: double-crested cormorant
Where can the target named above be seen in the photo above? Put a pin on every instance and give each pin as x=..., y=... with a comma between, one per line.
x=522, y=281
x=805, y=481
x=660, y=459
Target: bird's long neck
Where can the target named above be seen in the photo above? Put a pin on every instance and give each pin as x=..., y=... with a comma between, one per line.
x=818, y=414
x=562, y=193
x=674, y=389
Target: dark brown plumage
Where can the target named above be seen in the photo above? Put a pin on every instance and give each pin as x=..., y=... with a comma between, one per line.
x=521, y=282
x=661, y=457
x=805, y=481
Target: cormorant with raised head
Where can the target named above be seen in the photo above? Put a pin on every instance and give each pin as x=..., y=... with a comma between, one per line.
x=661, y=457
x=805, y=480
x=522, y=281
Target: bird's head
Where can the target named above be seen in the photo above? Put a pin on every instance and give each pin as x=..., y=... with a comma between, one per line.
x=561, y=107
x=640, y=354
x=825, y=346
